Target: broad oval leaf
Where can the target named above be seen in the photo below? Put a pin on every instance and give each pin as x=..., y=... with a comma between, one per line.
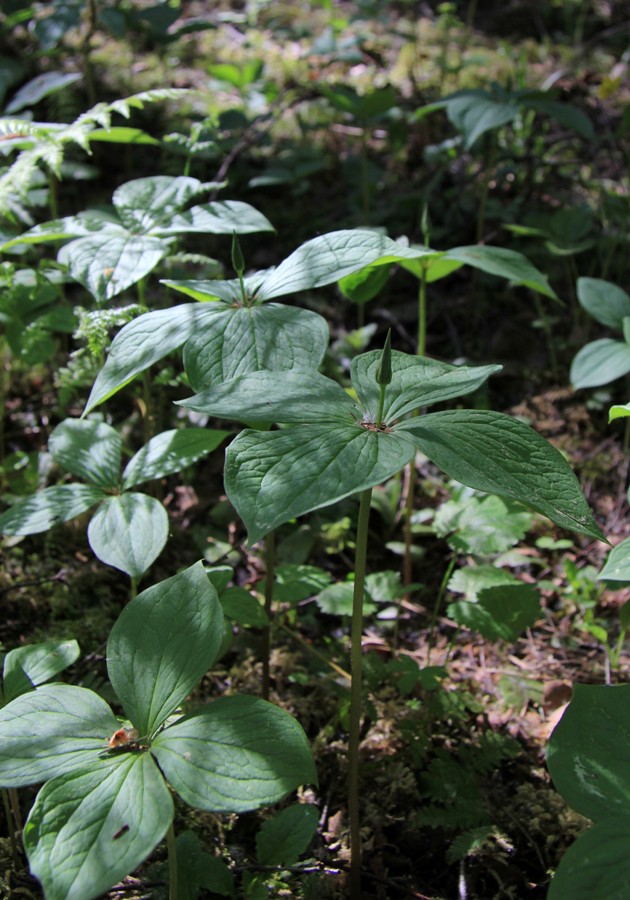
x=617, y=567
x=26, y=667
x=326, y=462
x=267, y=336
x=50, y=731
x=589, y=751
x=416, y=381
x=505, y=264
x=49, y=507
x=604, y=301
x=144, y=203
x=495, y=453
x=501, y=612
x=91, y=450
x=220, y=217
x=330, y=257
x=107, y=264
x=129, y=532
x=238, y=754
x=600, y=362
x=92, y=826
x=163, y=642
x=284, y=838
x=143, y=342
x=171, y=451
x=596, y=864
x=292, y=396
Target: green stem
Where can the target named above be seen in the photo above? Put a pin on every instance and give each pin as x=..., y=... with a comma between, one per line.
x=381, y=405
x=551, y=350
x=270, y=563
x=133, y=587
x=355, y=695
x=422, y=313
x=436, y=608
x=172, y=863
x=485, y=190
x=365, y=181
x=8, y=814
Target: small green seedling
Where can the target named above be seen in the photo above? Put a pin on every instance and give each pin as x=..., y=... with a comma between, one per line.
x=106, y=804
x=129, y=529
x=606, y=359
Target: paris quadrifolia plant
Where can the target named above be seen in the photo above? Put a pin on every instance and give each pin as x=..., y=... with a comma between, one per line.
x=106, y=799
x=336, y=446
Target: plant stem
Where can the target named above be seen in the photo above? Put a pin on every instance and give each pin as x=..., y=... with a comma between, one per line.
x=172, y=863
x=270, y=564
x=355, y=695
x=365, y=180
x=422, y=313
x=8, y=814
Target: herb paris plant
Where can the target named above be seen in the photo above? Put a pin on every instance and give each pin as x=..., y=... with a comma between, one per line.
x=105, y=804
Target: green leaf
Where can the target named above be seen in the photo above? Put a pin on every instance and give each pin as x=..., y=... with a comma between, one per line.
x=417, y=381
x=145, y=203
x=270, y=336
x=505, y=264
x=91, y=827
x=330, y=257
x=122, y=134
x=474, y=112
x=284, y=838
x=91, y=450
x=238, y=754
x=129, y=532
x=362, y=286
x=107, y=264
x=38, y=88
x=162, y=644
x=52, y=730
x=501, y=612
x=143, y=342
x=292, y=396
x=482, y=525
x=617, y=567
x=221, y=217
x=563, y=113
x=497, y=454
x=171, y=451
x=240, y=606
x=49, y=507
x=327, y=462
x=589, y=751
x=604, y=301
x=337, y=600
x=600, y=362
x=29, y=666
x=196, y=869
x=596, y=864
x=618, y=412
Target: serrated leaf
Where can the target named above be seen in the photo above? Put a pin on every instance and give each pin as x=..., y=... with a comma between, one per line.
x=604, y=301
x=78, y=856
x=50, y=731
x=501, y=612
x=48, y=507
x=143, y=342
x=171, y=451
x=600, y=362
x=238, y=754
x=284, y=838
x=497, y=454
x=129, y=532
x=327, y=462
x=107, y=264
x=164, y=641
x=589, y=751
x=90, y=450
x=270, y=336
x=25, y=667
